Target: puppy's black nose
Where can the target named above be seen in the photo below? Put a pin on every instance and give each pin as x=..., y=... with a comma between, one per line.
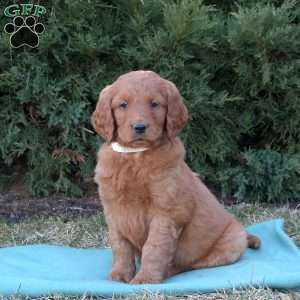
x=139, y=127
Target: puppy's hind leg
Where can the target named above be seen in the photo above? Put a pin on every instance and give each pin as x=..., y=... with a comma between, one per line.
x=227, y=250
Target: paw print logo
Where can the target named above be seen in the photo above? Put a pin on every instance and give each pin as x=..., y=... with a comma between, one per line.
x=24, y=32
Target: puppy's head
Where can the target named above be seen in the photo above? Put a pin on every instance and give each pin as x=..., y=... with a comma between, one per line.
x=138, y=109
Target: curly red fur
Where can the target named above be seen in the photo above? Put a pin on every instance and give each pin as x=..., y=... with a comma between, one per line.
x=155, y=206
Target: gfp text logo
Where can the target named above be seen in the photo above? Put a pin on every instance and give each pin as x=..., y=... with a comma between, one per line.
x=24, y=29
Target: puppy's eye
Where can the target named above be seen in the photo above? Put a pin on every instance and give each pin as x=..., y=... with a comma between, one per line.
x=124, y=104
x=154, y=104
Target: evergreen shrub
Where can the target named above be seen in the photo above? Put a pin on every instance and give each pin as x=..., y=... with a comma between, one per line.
x=236, y=64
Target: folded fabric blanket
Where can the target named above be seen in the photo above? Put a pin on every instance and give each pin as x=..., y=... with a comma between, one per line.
x=44, y=269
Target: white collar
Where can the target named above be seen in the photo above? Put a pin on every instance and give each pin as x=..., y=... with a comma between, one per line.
x=119, y=148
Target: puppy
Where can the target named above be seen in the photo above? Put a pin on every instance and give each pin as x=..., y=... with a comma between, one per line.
x=156, y=208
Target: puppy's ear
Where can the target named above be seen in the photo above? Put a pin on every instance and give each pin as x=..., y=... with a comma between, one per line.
x=177, y=114
x=102, y=118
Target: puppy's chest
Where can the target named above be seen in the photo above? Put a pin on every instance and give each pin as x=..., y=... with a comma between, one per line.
x=127, y=199
x=127, y=183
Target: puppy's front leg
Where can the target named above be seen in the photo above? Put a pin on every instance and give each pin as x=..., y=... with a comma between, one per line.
x=158, y=251
x=123, y=257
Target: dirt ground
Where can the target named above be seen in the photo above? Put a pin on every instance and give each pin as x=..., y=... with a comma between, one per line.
x=15, y=207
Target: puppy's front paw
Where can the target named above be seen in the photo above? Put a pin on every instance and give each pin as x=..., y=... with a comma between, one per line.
x=121, y=275
x=142, y=278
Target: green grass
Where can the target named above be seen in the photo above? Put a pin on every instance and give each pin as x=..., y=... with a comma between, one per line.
x=92, y=232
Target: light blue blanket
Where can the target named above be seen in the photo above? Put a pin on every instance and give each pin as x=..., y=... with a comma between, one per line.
x=44, y=269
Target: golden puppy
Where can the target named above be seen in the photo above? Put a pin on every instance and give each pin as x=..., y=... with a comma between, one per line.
x=155, y=206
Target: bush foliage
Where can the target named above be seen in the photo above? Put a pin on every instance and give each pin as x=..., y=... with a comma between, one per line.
x=236, y=64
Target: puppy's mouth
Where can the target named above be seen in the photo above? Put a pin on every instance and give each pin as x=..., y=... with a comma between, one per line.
x=139, y=142
x=134, y=142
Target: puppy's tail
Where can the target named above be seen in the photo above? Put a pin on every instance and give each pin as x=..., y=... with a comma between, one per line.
x=253, y=241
